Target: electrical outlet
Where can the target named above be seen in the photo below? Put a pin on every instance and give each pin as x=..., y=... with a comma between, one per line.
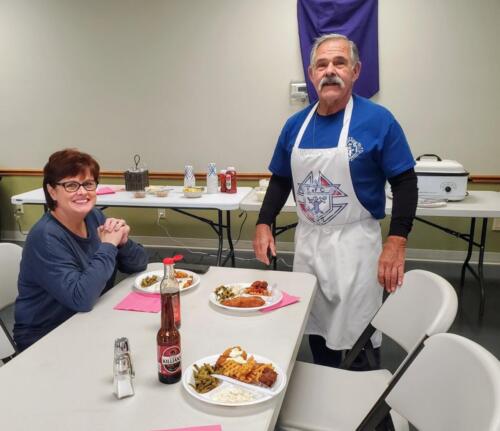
x=19, y=209
x=161, y=213
x=496, y=224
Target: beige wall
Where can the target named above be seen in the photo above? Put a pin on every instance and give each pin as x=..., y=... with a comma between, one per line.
x=207, y=80
x=439, y=64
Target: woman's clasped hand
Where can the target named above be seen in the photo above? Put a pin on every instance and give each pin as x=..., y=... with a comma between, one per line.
x=114, y=231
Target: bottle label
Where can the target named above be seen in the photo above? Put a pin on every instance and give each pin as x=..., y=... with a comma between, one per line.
x=169, y=359
x=228, y=182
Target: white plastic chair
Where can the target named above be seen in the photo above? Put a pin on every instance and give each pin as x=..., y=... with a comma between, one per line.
x=7, y=346
x=10, y=258
x=452, y=384
x=321, y=398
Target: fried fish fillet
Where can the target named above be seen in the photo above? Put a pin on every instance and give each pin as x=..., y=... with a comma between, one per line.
x=244, y=302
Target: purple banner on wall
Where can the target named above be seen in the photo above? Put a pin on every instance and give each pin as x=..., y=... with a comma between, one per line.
x=356, y=19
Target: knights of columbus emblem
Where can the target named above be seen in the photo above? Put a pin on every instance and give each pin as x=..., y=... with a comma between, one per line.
x=315, y=197
x=354, y=148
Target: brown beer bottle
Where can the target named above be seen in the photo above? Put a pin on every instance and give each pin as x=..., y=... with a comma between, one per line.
x=168, y=339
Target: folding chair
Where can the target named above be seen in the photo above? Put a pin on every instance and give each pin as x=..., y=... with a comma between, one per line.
x=452, y=384
x=7, y=347
x=321, y=398
x=10, y=258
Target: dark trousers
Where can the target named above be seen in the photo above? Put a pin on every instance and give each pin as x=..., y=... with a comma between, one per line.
x=322, y=355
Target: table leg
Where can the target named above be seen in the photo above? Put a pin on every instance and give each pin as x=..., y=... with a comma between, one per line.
x=469, y=254
x=469, y=238
x=480, y=263
x=479, y=276
x=230, y=238
x=220, y=234
x=218, y=228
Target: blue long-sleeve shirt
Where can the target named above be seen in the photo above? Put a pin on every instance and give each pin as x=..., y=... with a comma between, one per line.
x=62, y=273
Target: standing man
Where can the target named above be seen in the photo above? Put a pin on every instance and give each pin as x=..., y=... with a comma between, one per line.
x=337, y=156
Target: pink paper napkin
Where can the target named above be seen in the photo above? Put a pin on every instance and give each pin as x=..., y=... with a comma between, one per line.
x=105, y=191
x=286, y=300
x=140, y=302
x=202, y=428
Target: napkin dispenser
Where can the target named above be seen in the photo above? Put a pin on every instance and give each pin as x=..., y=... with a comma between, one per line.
x=137, y=178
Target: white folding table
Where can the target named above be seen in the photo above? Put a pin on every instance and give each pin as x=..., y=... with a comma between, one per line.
x=176, y=201
x=477, y=204
x=64, y=381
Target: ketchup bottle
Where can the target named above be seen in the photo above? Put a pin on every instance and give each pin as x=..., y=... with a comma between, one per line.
x=231, y=180
x=222, y=179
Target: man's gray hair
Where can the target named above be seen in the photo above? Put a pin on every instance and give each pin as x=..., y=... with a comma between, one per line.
x=334, y=36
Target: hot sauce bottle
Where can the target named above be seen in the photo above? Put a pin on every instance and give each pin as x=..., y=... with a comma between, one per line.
x=222, y=178
x=168, y=339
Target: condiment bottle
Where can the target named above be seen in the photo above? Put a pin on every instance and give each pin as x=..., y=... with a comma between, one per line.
x=231, y=180
x=222, y=179
x=170, y=284
x=168, y=339
x=189, y=178
x=212, y=180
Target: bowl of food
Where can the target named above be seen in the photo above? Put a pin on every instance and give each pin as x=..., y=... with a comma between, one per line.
x=260, y=192
x=158, y=191
x=193, y=192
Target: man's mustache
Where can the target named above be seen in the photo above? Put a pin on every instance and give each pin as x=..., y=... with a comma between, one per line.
x=331, y=80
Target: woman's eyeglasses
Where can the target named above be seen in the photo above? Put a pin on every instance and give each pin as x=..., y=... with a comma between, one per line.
x=73, y=186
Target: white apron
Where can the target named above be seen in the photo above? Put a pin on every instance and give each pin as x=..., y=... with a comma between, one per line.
x=337, y=240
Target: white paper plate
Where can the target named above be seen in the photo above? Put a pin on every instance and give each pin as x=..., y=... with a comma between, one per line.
x=276, y=297
x=260, y=397
x=155, y=288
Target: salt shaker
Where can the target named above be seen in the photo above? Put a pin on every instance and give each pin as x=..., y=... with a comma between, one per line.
x=122, y=376
x=189, y=179
x=122, y=347
x=212, y=179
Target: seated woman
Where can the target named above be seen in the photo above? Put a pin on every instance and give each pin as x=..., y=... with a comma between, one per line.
x=72, y=253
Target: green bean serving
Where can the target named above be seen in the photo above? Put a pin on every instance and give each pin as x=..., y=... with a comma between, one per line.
x=203, y=380
x=149, y=280
x=224, y=292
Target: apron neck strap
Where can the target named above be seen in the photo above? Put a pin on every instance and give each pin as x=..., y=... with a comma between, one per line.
x=345, y=124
